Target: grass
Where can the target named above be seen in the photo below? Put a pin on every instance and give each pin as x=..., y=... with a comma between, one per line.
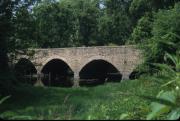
x=109, y=101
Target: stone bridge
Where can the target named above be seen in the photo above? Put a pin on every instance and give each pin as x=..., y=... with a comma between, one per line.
x=122, y=58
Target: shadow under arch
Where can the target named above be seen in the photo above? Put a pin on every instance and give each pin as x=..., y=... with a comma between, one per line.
x=57, y=73
x=98, y=72
x=135, y=74
x=25, y=71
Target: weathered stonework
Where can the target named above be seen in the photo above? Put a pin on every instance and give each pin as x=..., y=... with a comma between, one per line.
x=124, y=58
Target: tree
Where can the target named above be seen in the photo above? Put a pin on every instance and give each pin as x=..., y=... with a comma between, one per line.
x=7, y=10
x=139, y=8
x=142, y=32
x=24, y=30
x=5, y=28
x=22, y=25
x=56, y=25
x=165, y=36
x=88, y=22
x=119, y=26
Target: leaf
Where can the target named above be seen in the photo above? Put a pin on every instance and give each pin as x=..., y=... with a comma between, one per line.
x=168, y=83
x=4, y=99
x=174, y=115
x=168, y=96
x=165, y=68
x=124, y=116
x=160, y=108
x=174, y=58
x=21, y=118
x=157, y=109
x=175, y=35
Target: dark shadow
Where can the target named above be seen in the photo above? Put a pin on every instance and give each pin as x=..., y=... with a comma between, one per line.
x=25, y=72
x=135, y=75
x=98, y=72
x=57, y=74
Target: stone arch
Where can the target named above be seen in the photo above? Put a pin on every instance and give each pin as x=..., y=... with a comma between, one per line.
x=56, y=72
x=109, y=60
x=99, y=71
x=52, y=58
x=25, y=71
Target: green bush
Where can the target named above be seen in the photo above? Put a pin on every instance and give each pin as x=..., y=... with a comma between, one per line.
x=165, y=35
x=168, y=101
x=157, y=36
x=6, y=83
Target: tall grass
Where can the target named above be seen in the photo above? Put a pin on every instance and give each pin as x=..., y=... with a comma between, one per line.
x=109, y=101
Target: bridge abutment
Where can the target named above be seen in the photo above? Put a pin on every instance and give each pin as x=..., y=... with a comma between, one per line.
x=76, y=80
x=125, y=75
x=39, y=79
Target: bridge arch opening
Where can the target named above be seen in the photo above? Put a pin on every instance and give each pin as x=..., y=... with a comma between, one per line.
x=25, y=71
x=99, y=72
x=57, y=73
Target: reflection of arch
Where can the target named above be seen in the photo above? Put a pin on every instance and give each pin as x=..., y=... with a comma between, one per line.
x=99, y=71
x=25, y=71
x=57, y=73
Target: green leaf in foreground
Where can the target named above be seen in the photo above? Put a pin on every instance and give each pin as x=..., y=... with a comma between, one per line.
x=4, y=99
x=160, y=108
x=174, y=115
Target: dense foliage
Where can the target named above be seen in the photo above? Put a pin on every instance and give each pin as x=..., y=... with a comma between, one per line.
x=5, y=28
x=159, y=35
x=67, y=23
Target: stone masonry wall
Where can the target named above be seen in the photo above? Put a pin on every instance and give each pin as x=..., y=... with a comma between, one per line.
x=124, y=58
